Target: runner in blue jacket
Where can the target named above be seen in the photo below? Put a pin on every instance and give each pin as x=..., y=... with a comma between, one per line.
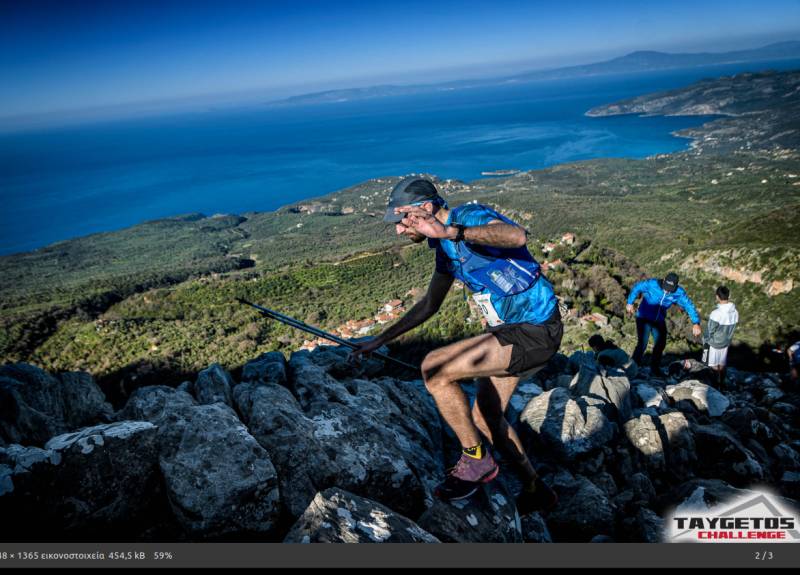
x=658, y=295
x=487, y=252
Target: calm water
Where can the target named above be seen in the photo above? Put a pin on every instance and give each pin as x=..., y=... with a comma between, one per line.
x=63, y=183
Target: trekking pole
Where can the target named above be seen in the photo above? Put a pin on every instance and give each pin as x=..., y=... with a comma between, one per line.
x=297, y=324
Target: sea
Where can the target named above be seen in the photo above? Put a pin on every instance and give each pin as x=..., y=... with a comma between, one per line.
x=60, y=183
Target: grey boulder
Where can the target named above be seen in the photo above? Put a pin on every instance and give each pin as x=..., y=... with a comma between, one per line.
x=269, y=367
x=580, y=359
x=583, y=511
x=98, y=479
x=488, y=516
x=611, y=387
x=662, y=442
x=154, y=402
x=380, y=439
x=644, y=527
x=646, y=395
x=35, y=405
x=219, y=479
x=704, y=397
x=336, y=516
x=722, y=456
x=570, y=427
x=534, y=529
x=213, y=385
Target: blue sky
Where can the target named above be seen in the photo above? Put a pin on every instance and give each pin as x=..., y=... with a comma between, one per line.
x=70, y=55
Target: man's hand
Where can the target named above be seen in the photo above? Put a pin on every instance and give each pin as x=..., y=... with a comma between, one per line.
x=364, y=349
x=696, y=331
x=630, y=309
x=424, y=222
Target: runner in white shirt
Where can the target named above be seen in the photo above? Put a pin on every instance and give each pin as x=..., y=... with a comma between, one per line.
x=719, y=333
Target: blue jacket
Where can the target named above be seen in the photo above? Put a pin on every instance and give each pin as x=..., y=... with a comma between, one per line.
x=656, y=301
x=535, y=305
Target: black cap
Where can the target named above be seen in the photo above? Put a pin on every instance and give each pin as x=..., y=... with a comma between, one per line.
x=670, y=282
x=408, y=191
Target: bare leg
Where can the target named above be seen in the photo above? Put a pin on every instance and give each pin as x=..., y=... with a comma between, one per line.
x=718, y=373
x=479, y=356
x=488, y=412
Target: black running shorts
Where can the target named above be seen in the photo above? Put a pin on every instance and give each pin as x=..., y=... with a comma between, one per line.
x=533, y=345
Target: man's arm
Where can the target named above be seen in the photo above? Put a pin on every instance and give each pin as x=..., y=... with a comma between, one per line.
x=422, y=310
x=688, y=306
x=495, y=233
x=635, y=292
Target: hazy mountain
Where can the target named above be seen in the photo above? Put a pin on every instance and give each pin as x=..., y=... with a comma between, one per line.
x=641, y=61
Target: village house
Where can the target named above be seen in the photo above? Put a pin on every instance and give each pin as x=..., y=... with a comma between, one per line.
x=596, y=318
x=392, y=305
x=555, y=264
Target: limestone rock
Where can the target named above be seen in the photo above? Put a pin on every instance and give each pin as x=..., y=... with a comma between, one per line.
x=379, y=439
x=35, y=405
x=214, y=384
x=488, y=516
x=614, y=390
x=94, y=482
x=219, y=479
x=336, y=516
x=705, y=398
x=583, y=511
x=569, y=427
x=269, y=367
x=722, y=456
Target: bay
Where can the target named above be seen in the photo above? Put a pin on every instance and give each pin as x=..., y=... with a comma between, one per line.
x=61, y=183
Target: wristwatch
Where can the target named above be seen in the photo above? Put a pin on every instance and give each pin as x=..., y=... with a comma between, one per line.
x=460, y=235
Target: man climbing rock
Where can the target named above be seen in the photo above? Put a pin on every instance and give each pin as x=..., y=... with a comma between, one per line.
x=658, y=295
x=719, y=333
x=486, y=251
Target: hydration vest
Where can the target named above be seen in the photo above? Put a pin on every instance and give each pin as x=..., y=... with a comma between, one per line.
x=509, y=279
x=479, y=269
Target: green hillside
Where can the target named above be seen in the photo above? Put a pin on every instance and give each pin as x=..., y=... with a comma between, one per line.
x=157, y=300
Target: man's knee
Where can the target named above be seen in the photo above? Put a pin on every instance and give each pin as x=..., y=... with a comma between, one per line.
x=434, y=370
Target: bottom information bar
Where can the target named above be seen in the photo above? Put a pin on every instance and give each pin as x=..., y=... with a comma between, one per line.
x=208, y=555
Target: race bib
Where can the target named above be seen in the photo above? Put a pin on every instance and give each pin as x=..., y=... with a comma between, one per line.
x=484, y=302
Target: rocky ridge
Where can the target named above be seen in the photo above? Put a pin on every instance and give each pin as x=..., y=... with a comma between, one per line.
x=315, y=449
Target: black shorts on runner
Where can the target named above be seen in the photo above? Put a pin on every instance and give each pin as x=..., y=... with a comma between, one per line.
x=533, y=345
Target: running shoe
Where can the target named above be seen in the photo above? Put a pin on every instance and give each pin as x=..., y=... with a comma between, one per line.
x=464, y=479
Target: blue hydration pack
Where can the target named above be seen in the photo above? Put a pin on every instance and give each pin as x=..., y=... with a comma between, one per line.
x=511, y=276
